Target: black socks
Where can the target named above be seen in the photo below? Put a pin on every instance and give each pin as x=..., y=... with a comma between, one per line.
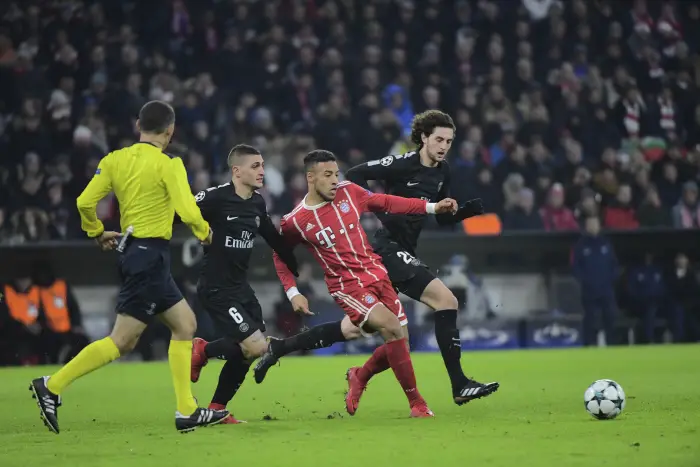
x=231, y=377
x=318, y=337
x=447, y=336
x=224, y=348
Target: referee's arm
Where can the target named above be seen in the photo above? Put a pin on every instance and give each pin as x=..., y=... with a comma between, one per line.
x=99, y=186
x=184, y=203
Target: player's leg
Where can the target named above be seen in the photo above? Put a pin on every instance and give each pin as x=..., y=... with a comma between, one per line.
x=431, y=291
x=181, y=321
x=378, y=363
x=366, y=311
x=236, y=368
x=236, y=319
x=318, y=337
x=398, y=357
x=240, y=320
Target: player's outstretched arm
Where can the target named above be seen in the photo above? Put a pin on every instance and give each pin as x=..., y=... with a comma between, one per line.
x=99, y=186
x=471, y=208
x=175, y=178
x=377, y=202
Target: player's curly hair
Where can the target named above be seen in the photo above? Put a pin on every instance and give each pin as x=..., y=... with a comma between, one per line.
x=426, y=122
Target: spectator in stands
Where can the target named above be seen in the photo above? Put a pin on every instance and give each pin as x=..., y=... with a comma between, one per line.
x=588, y=206
x=683, y=305
x=647, y=292
x=555, y=215
x=535, y=76
x=686, y=214
x=620, y=215
x=523, y=216
x=596, y=268
x=651, y=212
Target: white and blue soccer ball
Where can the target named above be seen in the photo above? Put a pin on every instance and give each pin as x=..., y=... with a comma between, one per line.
x=604, y=399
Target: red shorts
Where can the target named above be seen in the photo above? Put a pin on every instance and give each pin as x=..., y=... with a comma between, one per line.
x=359, y=302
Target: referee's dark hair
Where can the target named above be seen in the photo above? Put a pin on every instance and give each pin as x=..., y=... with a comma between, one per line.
x=426, y=122
x=316, y=157
x=239, y=151
x=155, y=117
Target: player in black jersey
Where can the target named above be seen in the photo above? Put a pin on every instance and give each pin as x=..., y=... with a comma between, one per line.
x=237, y=213
x=425, y=174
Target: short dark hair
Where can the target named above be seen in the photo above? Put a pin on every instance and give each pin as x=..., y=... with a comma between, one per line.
x=238, y=151
x=156, y=117
x=316, y=157
x=426, y=122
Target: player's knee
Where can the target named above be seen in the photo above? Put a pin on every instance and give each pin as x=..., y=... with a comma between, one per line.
x=388, y=326
x=125, y=343
x=258, y=349
x=185, y=329
x=255, y=346
x=447, y=301
x=349, y=330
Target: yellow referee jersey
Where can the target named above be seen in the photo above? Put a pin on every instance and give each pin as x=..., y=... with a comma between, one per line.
x=150, y=186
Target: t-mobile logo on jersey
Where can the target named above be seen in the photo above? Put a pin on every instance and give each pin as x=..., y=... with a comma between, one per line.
x=326, y=237
x=246, y=241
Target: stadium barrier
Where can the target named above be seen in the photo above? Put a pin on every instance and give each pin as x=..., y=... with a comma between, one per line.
x=81, y=263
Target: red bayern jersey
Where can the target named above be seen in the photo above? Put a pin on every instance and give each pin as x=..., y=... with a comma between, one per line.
x=332, y=232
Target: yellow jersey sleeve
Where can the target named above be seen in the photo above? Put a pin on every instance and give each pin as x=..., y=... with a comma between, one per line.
x=175, y=179
x=98, y=188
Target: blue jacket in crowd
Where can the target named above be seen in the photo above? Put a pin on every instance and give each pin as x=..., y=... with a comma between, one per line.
x=595, y=266
x=646, y=283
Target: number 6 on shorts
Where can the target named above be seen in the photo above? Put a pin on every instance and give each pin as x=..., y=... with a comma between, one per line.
x=237, y=318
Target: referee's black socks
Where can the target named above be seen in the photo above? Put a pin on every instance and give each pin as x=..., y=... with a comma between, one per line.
x=318, y=337
x=448, y=340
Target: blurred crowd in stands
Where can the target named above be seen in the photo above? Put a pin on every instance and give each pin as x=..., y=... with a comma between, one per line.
x=564, y=109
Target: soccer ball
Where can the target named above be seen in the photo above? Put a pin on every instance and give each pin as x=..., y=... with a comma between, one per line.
x=604, y=399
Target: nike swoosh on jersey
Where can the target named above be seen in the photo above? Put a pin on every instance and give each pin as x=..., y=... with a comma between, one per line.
x=412, y=183
x=229, y=218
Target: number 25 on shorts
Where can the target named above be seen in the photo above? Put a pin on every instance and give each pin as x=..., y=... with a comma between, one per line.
x=405, y=256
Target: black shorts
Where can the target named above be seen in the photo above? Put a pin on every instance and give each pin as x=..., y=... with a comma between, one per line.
x=408, y=274
x=147, y=287
x=235, y=312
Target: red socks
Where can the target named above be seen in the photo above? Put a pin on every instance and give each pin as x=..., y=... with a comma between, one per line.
x=400, y=361
x=394, y=355
x=375, y=365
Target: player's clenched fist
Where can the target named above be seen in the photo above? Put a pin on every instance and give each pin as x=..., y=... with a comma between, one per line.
x=446, y=206
x=301, y=305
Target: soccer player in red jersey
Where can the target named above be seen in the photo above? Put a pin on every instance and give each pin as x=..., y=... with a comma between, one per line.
x=327, y=222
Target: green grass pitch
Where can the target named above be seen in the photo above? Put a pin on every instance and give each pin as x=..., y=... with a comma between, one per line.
x=123, y=415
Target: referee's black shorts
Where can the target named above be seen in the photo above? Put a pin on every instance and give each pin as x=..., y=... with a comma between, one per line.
x=408, y=274
x=147, y=287
x=235, y=311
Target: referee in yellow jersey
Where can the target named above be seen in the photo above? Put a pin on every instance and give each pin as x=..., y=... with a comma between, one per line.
x=150, y=187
